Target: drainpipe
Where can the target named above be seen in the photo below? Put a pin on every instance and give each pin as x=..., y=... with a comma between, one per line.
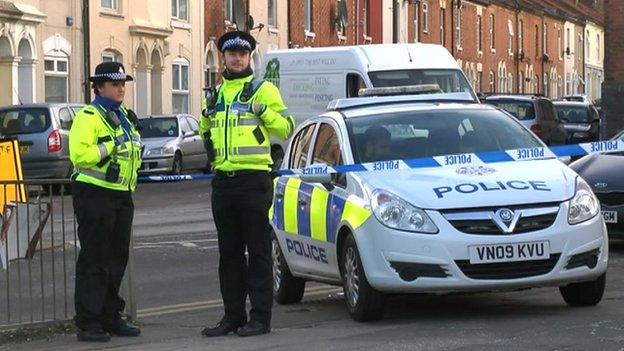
x=395, y=22
x=86, y=50
x=518, y=46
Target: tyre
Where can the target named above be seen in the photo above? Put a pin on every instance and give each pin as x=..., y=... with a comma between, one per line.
x=363, y=301
x=286, y=288
x=176, y=167
x=585, y=293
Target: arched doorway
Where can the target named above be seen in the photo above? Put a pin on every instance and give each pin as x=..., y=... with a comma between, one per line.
x=25, y=73
x=156, y=83
x=141, y=85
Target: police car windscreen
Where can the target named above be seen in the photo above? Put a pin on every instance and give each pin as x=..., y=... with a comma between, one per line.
x=27, y=120
x=159, y=127
x=449, y=80
x=408, y=135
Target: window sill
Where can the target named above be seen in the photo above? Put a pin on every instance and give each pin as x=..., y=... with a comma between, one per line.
x=180, y=24
x=367, y=39
x=111, y=13
x=459, y=48
x=229, y=25
x=492, y=51
x=273, y=30
x=479, y=54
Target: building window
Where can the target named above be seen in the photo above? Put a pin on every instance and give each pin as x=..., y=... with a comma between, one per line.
x=179, y=9
x=545, y=82
x=425, y=19
x=492, y=36
x=110, y=5
x=458, y=27
x=587, y=46
x=521, y=89
x=509, y=83
x=111, y=56
x=479, y=34
x=536, y=41
x=478, y=86
x=559, y=49
x=567, y=41
x=521, y=35
x=442, y=31
x=272, y=11
x=545, y=40
x=511, y=35
x=598, y=48
x=180, y=86
x=307, y=16
x=228, y=9
x=56, y=79
x=492, y=82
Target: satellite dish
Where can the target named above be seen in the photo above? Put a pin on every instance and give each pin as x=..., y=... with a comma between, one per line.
x=240, y=14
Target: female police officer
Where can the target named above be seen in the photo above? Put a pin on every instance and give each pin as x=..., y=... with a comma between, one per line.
x=105, y=149
x=239, y=122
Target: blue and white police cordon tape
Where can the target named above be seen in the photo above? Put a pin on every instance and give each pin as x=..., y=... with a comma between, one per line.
x=515, y=155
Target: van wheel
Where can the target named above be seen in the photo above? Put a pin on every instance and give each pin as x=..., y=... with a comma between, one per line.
x=585, y=293
x=286, y=288
x=363, y=301
x=176, y=168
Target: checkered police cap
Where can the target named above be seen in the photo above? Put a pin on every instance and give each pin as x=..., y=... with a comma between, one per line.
x=110, y=72
x=237, y=41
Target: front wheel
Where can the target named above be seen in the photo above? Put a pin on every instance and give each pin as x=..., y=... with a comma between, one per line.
x=585, y=293
x=363, y=301
x=286, y=288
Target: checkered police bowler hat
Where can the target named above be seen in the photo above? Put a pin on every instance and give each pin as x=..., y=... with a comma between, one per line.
x=110, y=72
x=236, y=41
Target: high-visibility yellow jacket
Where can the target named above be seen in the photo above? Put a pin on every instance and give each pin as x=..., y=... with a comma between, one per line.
x=241, y=140
x=93, y=145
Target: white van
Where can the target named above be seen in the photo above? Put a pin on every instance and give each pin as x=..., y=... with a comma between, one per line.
x=309, y=78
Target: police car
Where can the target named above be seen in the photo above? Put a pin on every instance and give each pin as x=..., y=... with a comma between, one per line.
x=421, y=211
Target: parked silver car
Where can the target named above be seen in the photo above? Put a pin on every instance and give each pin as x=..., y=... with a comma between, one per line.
x=172, y=144
x=43, y=134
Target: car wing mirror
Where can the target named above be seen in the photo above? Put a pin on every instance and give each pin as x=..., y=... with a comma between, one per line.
x=189, y=134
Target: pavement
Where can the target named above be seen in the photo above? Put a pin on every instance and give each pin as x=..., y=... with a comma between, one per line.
x=177, y=295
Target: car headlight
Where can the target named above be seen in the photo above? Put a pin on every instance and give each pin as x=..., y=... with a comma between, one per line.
x=584, y=205
x=396, y=213
x=160, y=151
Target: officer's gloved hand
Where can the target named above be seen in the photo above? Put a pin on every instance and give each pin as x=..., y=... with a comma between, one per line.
x=258, y=108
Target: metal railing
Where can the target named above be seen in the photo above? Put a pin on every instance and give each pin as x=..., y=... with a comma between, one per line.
x=39, y=247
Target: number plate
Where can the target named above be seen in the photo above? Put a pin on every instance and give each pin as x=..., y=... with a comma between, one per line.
x=24, y=149
x=537, y=250
x=610, y=216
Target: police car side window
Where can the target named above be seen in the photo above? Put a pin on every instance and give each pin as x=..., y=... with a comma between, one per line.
x=327, y=147
x=301, y=146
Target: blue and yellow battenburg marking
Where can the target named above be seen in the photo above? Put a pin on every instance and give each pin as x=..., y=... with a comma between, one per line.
x=303, y=209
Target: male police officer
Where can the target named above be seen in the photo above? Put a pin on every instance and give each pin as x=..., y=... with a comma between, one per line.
x=105, y=149
x=239, y=121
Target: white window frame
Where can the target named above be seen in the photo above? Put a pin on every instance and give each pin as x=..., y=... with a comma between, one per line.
x=545, y=39
x=114, y=6
x=492, y=82
x=425, y=19
x=511, y=36
x=567, y=39
x=56, y=73
x=272, y=13
x=175, y=10
x=559, y=49
x=598, y=53
x=492, y=34
x=181, y=62
x=521, y=36
x=587, y=46
x=112, y=56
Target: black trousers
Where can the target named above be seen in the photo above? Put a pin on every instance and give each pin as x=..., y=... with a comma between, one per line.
x=104, y=228
x=240, y=207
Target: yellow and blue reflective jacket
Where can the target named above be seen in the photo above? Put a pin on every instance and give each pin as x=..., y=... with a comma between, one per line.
x=241, y=140
x=93, y=145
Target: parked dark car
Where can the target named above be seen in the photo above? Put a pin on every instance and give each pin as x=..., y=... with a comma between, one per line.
x=42, y=131
x=603, y=172
x=580, y=119
x=537, y=113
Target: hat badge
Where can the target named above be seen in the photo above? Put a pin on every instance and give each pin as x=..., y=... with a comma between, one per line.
x=121, y=70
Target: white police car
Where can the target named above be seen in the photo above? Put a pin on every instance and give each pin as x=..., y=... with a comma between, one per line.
x=461, y=214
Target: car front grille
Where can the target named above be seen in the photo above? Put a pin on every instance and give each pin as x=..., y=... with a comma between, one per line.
x=485, y=222
x=611, y=199
x=508, y=270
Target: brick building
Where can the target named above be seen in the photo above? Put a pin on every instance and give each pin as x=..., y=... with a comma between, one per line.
x=613, y=86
